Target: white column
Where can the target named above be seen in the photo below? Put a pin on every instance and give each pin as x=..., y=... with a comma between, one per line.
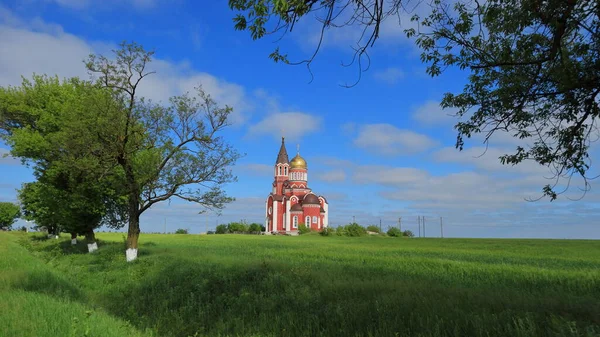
x=267, y=215
x=275, y=218
x=287, y=215
x=326, y=217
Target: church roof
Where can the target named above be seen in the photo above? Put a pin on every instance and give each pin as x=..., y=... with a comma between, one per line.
x=282, y=157
x=298, y=162
x=311, y=199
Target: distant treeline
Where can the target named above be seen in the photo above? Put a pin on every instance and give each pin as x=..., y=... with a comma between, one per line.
x=354, y=229
x=239, y=227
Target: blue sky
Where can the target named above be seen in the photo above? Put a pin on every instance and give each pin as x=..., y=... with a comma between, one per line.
x=380, y=150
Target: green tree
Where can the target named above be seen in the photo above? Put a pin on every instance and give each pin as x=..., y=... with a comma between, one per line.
x=373, y=228
x=237, y=227
x=395, y=232
x=533, y=69
x=221, y=229
x=51, y=125
x=302, y=229
x=408, y=233
x=9, y=213
x=165, y=151
x=181, y=231
x=255, y=227
x=327, y=231
x=355, y=229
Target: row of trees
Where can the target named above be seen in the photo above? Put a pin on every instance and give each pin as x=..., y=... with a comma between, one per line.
x=102, y=154
x=239, y=227
x=354, y=229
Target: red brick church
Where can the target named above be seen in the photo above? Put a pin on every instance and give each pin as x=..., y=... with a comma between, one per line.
x=291, y=203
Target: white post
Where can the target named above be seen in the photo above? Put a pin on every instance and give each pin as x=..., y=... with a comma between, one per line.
x=131, y=254
x=275, y=217
x=267, y=215
x=326, y=217
x=287, y=215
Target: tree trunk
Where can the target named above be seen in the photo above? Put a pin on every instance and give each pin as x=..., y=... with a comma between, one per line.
x=73, y=238
x=133, y=232
x=90, y=237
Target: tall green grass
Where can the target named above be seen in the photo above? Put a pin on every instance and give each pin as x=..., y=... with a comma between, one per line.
x=237, y=285
x=38, y=300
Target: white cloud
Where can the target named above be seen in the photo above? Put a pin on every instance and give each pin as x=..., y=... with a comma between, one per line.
x=7, y=159
x=389, y=75
x=349, y=128
x=258, y=169
x=488, y=160
x=460, y=195
x=468, y=191
x=270, y=101
x=39, y=47
x=386, y=139
x=385, y=175
x=332, y=176
x=294, y=125
x=73, y=4
x=431, y=114
x=97, y=4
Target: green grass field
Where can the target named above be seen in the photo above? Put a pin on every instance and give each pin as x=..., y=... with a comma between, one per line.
x=242, y=285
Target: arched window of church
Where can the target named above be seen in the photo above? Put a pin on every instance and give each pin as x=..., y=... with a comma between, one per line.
x=295, y=221
x=285, y=170
x=279, y=167
x=314, y=220
x=308, y=221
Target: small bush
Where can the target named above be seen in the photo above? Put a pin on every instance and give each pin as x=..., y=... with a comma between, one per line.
x=255, y=227
x=181, y=231
x=221, y=229
x=302, y=229
x=355, y=229
x=393, y=231
x=237, y=227
x=408, y=233
x=327, y=231
x=373, y=228
x=340, y=230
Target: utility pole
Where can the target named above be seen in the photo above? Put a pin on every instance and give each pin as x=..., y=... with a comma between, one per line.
x=379, y=224
x=353, y=219
x=400, y=223
x=424, y=227
x=442, y=227
x=419, y=221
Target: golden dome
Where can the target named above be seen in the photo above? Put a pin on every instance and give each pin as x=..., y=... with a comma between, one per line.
x=298, y=162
